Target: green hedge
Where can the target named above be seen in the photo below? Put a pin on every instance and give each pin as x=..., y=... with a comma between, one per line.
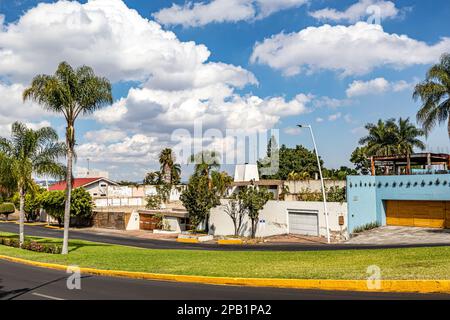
x=31, y=245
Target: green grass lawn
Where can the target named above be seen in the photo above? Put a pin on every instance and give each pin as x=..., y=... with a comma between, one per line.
x=415, y=263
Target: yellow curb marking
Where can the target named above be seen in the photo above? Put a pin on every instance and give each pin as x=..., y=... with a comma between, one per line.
x=53, y=227
x=187, y=240
x=404, y=286
x=230, y=241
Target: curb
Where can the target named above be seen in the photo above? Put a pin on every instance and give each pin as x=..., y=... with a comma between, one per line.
x=230, y=241
x=188, y=240
x=53, y=227
x=400, y=286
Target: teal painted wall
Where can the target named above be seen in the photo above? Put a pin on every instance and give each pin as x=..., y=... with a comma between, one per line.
x=366, y=195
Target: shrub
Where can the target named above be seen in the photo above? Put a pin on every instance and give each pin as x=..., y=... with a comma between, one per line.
x=32, y=245
x=7, y=208
x=366, y=227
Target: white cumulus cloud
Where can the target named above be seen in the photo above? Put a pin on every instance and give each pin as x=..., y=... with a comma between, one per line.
x=376, y=86
x=219, y=11
x=362, y=9
x=350, y=50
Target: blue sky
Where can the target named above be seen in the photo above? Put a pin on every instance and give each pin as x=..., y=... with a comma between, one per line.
x=243, y=35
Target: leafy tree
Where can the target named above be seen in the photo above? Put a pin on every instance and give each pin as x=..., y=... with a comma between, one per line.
x=198, y=199
x=360, y=159
x=32, y=205
x=221, y=181
x=30, y=152
x=128, y=183
x=298, y=159
x=236, y=211
x=298, y=176
x=153, y=178
x=53, y=202
x=70, y=92
x=253, y=201
x=434, y=93
x=153, y=201
x=339, y=174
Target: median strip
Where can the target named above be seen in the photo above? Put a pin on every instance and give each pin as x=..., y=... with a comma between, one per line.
x=403, y=286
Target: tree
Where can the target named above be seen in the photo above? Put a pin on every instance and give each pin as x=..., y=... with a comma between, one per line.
x=198, y=199
x=407, y=137
x=236, y=211
x=298, y=159
x=167, y=161
x=32, y=205
x=221, y=181
x=205, y=161
x=253, y=201
x=339, y=174
x=30, y=152
x=153, y=178
x=70, y=92
x=381, y=138
x=360, y=159
x=390, y=137
x=297, y=176
x=434, y=93
x=53, y=202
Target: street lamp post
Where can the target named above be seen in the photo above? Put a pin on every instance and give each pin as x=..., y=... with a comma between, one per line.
x=321, y=179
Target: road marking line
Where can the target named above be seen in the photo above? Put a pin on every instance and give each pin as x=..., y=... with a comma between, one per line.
x=46, y=296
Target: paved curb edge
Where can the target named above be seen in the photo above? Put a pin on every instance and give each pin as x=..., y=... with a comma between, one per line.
x=401, y=286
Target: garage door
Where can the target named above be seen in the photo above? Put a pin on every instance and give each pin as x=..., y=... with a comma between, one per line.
x=428, y=214
x=304, y=223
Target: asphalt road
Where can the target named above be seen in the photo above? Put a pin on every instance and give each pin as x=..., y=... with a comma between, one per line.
x=23, y=282
x=40, y=231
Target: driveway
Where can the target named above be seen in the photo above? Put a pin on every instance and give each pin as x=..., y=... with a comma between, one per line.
x=402, y=235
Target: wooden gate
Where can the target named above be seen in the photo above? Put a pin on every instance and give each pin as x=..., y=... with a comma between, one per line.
x=148, y=222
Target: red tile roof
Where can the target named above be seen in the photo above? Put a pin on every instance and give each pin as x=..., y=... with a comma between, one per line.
x=77, y=183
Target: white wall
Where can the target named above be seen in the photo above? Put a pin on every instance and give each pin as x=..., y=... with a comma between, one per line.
x=133, y=223
x=275, y=215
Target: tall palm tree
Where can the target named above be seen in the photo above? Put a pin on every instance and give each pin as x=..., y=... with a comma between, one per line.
x=434, y=94
x=175, y=174
x=205, y=161
x=381, y=138
x=70, y=92
x=167, y=161
x=407, y=137
x=30, y=152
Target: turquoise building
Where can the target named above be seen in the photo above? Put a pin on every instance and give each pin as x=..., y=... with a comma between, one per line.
x=421, y=200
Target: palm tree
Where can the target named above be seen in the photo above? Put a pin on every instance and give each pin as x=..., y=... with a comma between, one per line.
x=175, y=174
x=381, y=138
x=30, y=152
x=205, y=161
x=407, y=137
x=166, y=160
x=434, y=94
x=70, y=92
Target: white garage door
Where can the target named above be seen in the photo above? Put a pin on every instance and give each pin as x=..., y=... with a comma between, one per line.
x=304, y=223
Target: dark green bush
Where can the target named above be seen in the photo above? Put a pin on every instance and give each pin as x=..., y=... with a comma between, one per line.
x=32, y=245
x=7, y=208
